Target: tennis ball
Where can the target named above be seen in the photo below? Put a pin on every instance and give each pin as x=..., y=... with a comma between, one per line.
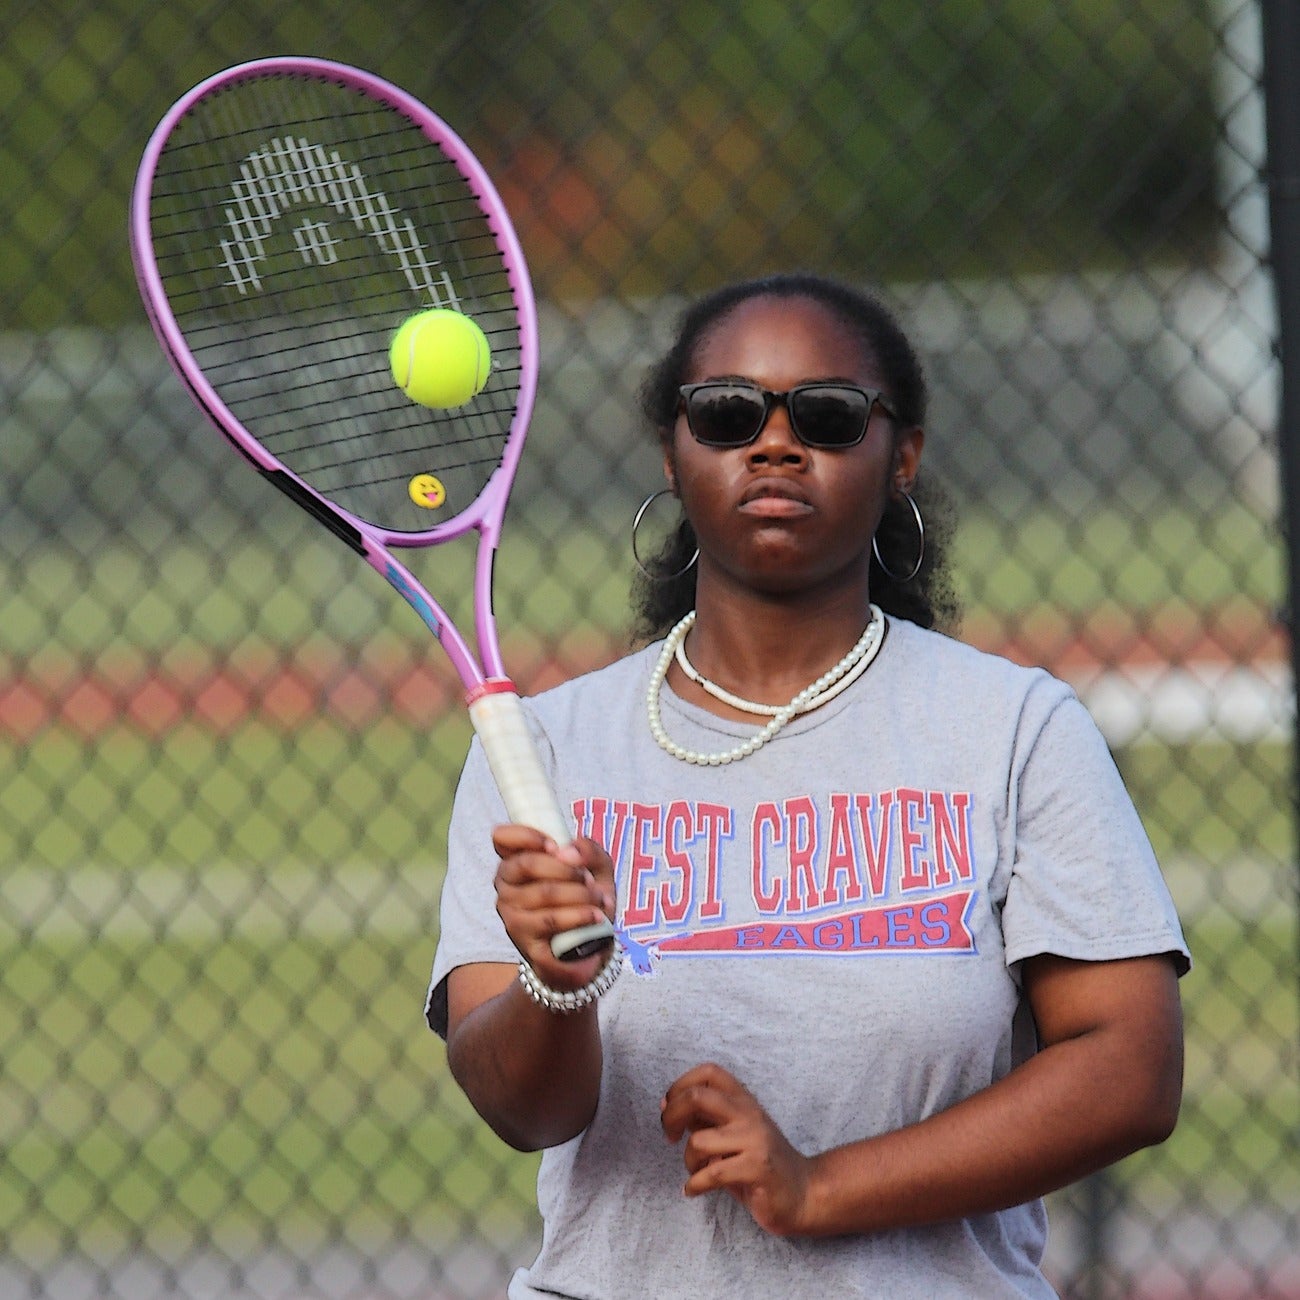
x=440, y=358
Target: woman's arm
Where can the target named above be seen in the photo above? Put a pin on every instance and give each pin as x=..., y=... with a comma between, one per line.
x=532, y=1074
x=1106, y=1081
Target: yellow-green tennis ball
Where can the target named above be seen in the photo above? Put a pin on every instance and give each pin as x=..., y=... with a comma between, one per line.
x=440, y=358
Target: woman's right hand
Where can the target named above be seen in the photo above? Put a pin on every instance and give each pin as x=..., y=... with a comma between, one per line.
x=543, y=890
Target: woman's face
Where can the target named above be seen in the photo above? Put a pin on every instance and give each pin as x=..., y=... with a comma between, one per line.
x=777, y=516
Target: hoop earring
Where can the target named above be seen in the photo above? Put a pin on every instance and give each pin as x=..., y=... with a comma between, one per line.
x=636, y=555
x=920, y=550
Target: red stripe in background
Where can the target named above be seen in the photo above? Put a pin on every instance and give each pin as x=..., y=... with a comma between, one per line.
x=222, y=695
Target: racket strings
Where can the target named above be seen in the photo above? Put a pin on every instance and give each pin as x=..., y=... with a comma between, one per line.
x=291, y=252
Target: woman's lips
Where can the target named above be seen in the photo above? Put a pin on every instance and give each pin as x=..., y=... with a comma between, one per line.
x=773, y=501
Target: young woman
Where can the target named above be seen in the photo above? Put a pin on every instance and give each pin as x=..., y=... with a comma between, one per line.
x=894, y=957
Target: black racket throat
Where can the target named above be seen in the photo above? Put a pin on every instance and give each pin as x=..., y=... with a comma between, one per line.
x=318, y=509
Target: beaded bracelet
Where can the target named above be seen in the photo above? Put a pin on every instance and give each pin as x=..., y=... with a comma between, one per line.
x=571, y=1000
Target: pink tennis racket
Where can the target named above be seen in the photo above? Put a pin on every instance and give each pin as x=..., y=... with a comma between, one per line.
x=288, y=215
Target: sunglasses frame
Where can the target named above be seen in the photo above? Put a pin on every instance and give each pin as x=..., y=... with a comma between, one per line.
x=771, y=399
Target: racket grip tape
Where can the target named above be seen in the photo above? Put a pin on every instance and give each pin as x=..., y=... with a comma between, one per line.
x=502, y=729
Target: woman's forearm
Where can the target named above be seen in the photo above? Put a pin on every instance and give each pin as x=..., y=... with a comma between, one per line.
x=1045, y=1125
x=1091, y=1097
x=533, y=1075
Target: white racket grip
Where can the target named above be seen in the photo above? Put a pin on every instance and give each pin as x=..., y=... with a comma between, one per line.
x=498, y=718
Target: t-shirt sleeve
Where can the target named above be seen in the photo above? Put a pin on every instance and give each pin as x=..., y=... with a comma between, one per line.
x=1084, y=880
x=469, y=928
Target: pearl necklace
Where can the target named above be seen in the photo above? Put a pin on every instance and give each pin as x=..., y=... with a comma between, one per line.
x=825, y=688
x=771, y=710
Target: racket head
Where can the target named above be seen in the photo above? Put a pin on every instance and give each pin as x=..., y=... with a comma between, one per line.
x=288, y=215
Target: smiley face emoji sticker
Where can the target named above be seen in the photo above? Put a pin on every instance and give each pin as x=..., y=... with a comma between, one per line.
x=426, y=491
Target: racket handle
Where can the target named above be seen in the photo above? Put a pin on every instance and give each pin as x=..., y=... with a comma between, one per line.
x=498, y=718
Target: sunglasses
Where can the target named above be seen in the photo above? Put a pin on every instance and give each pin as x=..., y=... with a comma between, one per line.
x=825, y=416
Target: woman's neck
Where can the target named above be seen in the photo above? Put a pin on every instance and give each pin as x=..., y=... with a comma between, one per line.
x=766, y=649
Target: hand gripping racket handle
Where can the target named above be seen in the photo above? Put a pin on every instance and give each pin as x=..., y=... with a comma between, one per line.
x=498, y=718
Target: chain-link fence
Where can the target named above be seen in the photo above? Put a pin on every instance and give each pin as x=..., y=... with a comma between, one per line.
x=226, y=753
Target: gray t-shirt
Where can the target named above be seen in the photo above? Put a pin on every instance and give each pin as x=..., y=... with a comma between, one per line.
x=838, y=920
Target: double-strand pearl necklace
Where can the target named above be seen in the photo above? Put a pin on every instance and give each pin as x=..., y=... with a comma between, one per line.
x=825, y=688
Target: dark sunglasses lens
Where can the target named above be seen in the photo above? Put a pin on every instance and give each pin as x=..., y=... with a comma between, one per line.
x=826, y=416
x=725, y=416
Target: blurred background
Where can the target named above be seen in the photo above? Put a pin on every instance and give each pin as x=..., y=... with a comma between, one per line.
x=227, y=752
